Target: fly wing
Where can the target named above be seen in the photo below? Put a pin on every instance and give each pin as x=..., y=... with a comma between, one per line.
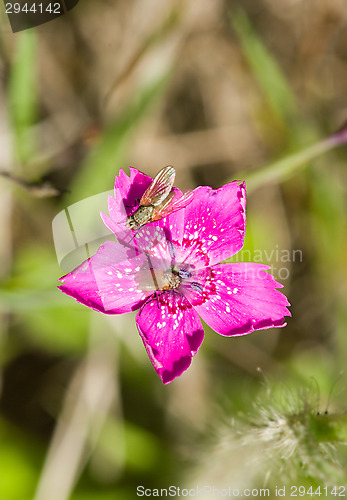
x=173, y=203
x=161, y=186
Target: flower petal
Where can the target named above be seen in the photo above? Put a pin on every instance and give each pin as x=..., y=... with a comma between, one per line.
x=127, y=192
x=215, y=222
x=171, y=332
x=108, y=281
x=245, y=299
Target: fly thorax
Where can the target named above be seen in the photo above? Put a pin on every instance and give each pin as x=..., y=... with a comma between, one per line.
x=143, y=214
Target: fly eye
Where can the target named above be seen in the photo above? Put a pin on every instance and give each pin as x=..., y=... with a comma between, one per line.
x=196, y=286
x=184, y=274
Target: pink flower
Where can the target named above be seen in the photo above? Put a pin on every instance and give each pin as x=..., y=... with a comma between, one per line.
x=170, y=271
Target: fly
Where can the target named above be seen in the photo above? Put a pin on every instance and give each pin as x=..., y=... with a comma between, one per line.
x=159, y=200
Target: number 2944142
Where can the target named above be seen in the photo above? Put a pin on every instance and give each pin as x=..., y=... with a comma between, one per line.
x=34, y=8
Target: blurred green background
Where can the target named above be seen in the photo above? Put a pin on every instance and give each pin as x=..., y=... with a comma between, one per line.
x=222, y=90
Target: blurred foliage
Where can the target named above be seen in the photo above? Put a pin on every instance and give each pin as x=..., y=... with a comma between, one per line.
x=107, y=156
x=20, y=457
x=220, y=92
x=23, y=94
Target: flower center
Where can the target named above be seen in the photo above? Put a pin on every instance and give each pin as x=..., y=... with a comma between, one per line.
x=158, y=280
x=171, y=280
